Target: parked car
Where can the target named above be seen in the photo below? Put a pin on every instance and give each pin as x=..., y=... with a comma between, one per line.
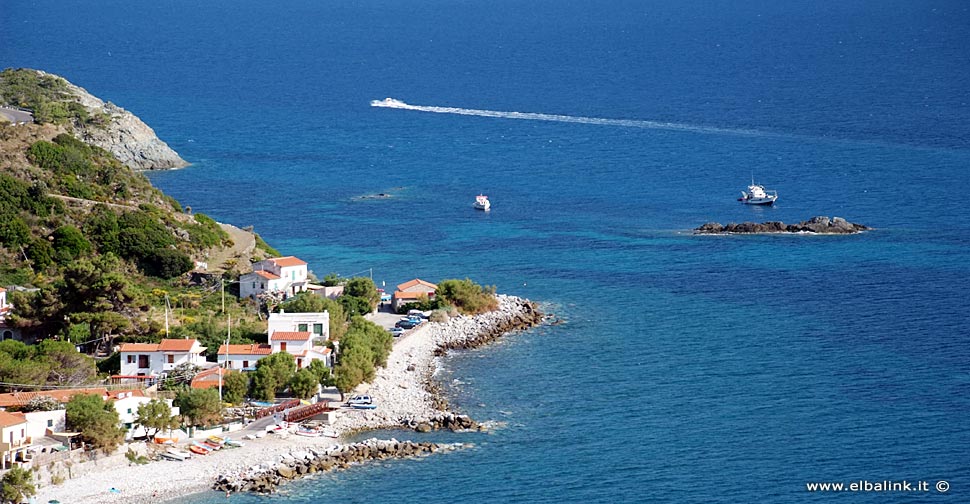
x=405, y=324
x=359, y=399
x=396, y=331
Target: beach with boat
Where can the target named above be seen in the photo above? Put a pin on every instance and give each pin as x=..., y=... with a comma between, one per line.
x=400, y=394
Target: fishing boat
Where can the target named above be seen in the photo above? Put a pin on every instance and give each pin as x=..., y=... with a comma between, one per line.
x=364, y=406
x=482, y=203
x=308, y=433
x=758, y=195
x=233, y=443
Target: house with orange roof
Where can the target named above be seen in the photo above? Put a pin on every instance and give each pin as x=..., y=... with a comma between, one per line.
x=280, y=275
x=157, y=359
x=14, y=440
x=240, y=357
x=17, y=400
x=412, y=291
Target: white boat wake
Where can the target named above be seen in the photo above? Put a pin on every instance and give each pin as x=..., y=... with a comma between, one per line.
x=532, y=116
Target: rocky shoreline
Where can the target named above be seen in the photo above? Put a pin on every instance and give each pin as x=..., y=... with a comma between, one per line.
x=407, y=395
x=816, y=225
x=265, y=478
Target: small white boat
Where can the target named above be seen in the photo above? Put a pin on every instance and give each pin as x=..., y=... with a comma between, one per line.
x=482, y=203
x=175, y=454
x=758, y=195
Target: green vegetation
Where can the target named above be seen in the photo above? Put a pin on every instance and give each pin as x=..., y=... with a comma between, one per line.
x=265, y=247
x=235, y=385
x=155, y=415
x=467, y=296
x=50, y=362
x=46, y=95
x=96, y=420
x=17, y=485
x=304, y=383
x=363, y=348
x=199, y=406
x=273, y=375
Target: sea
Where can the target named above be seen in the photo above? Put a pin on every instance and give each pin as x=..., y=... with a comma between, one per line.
x=683, y=368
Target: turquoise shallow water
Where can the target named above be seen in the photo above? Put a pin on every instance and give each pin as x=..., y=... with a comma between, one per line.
x=688, y=369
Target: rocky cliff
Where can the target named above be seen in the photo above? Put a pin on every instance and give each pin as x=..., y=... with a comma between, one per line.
x=132, y=141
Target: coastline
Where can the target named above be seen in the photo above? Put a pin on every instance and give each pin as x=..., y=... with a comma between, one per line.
x=403, y=391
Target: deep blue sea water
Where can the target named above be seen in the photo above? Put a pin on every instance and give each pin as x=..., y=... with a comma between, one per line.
x=688, y=369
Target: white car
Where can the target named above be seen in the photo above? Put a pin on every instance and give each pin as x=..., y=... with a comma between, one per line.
x=360, y=399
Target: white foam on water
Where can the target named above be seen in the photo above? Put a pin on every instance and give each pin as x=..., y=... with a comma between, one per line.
x=533, y=116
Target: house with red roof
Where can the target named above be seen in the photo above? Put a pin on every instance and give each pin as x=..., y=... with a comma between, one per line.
x=280, y=275
x=157, y=359
x=412, y=291
x=240, y=357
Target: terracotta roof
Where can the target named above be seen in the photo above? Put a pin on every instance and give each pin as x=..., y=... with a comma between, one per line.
x=177, y=345
x=62, y=396
x=114, y=394
x=209, y=378
x=412, y=295
x=8, y=419
x=416, y=281
x=290, y=336
x=269, y=275
x=139, y=347
x=287, y=261
x=253, y=349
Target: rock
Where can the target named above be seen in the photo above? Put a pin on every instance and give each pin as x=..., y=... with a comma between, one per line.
x=132, y=141
x=818, y=224
x=423, y=427
x=285, y=472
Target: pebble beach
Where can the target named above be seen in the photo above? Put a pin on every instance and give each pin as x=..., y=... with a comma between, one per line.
x=401, y=390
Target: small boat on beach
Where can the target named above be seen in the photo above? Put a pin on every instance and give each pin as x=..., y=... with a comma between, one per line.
x=233, y=443
x=482, y=203
x=198, y=450
x=758, y=195
x=175, y=454
x=363, y=406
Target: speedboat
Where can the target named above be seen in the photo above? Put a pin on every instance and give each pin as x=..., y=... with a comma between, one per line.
x=482, y=203
x=758, y=195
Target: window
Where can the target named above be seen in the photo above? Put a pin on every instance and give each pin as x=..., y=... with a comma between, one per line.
x=299, y=363
x=317, y=329
x=245, y=363
x=129, y=411
x=301, y=327
x=131, y=359
x=171, y=359
x=282, y=346
x=143, y=361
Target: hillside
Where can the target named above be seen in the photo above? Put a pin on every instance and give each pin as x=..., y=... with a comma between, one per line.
x=53, y=100
x=99, y=250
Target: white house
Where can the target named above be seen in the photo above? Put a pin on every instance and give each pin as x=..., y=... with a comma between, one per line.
x=6, y=331
x=316, y=323
x=242, y=357
x=14, y=440
x=126, y=403
x=301, y=345
x=281, y=275
x=39, y=423
x=155, y=359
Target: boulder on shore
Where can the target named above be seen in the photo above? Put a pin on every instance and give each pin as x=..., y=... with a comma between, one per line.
x=820, y=225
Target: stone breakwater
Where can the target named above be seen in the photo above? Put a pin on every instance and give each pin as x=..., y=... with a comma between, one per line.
x=405, y=391
x=819, y=225
x=265, y=478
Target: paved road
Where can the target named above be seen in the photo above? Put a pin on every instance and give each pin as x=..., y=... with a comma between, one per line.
x=16, y=116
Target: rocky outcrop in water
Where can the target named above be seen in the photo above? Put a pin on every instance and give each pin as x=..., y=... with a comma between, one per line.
x=819, y=225
x=132, y=141
x=265, y=478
